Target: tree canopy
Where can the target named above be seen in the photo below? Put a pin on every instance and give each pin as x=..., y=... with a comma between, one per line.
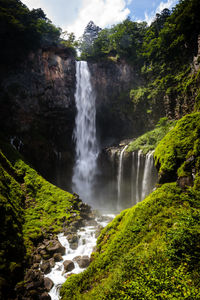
x=22, y=30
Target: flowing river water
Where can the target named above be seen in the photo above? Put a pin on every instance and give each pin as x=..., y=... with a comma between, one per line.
x=87, y=240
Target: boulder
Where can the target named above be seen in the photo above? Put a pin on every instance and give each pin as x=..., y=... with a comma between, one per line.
x=48, y=284
x=82, y=261
x=45, y=296
x=45, y=267
x=55, y=247
x=52, y=262
x=73, y=240
x=37, y=258
x=57, y=257
x=185, y=181
x=68, y=265
x=36, y=266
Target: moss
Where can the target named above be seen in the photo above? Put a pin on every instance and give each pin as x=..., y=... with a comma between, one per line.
x=30, y=209
x=12, y=243
x=148, y=141
x=150, y=251
x=173, y=154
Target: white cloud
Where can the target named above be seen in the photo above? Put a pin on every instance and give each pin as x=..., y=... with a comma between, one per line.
x=58, y=11
x=102, y=12
x=149, y=17
x=74, y=15
x=129, y=2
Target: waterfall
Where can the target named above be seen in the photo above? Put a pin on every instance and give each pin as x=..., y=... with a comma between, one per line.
x=120, y=176
x=146, y=184
x=132, y=178
x=137, y=177
x=85, y=167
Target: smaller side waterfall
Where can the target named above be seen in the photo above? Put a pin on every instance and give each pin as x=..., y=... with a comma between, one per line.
x=120, y=176
x=146, y=182
x=138, y=171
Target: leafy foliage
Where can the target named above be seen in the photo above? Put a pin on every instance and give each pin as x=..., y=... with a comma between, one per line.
x=23, y=30
x=149, y=141
x=123, y=40
x=160, y=53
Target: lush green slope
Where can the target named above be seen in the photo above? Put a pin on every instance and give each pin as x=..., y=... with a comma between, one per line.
x=149, y=140
x=30, y=209
x=178, y=152
x=152, y=250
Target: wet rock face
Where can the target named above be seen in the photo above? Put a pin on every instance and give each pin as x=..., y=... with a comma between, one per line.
x=38, y=109
x=112, y=82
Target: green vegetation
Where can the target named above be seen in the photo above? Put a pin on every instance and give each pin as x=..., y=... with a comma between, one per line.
x=149, y=141
x=23, y=31
x=121, y=41
x=177, y=154
x=152, y=251
x=160, y=53
x=30, y=209
x=11, y=213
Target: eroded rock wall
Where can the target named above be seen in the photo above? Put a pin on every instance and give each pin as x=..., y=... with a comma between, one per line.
x=112, y=82
x=38, y=110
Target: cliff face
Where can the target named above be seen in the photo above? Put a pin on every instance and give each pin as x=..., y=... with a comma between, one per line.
x=118, y=116
x=37, y=105
x=112, y=82
x=187, y=99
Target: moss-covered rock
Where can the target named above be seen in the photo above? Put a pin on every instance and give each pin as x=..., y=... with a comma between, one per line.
x=30, y=209
x=12, y=249
x=177, y=154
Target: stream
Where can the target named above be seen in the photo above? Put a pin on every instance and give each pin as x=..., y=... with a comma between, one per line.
x=86, y=244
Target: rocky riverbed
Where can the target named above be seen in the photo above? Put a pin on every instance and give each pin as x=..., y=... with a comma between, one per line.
x=78, y=247
x=57, y=257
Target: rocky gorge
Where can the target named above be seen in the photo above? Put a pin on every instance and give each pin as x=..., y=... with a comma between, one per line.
x=116, y=133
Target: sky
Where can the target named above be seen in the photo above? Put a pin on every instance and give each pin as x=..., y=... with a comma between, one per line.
x=74, y=15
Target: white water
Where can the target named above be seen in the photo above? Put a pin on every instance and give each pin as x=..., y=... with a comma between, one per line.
x=147, y=174
x=87, y=241
x=132, y=180
x=120, y=176
x=85, y=168
x=137, y=176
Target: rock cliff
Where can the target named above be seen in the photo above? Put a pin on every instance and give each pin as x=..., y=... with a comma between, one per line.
x=37, y=105
x=112, y=82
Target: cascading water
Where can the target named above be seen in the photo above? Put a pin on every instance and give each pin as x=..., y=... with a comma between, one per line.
x=146, y=184
x=137, y=177
x=85, y=168
x=134, y=177
x=120, y=176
